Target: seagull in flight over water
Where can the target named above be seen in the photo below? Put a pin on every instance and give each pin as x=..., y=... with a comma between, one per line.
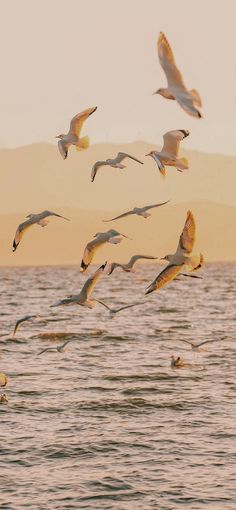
x=129, y=266
x=189, y=100
x=196, y=347
x=58, y=348
x=111, y=236
x=169, y=152
x=182, y=258
x=114, y=311
x=114, y=163
x=73, y=135
x=140, y=211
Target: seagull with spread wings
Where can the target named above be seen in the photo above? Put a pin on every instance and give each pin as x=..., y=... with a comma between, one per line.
x=189, y=100
x=140, y=211
x=41, y=219
x=129, y=267
x=73, y=135
x=168, y=156
x=111, y=236
x=83, y=298
x=59, y=348
x=114, y=163
x=114, y=311
x=196, y=347
x=182, y=258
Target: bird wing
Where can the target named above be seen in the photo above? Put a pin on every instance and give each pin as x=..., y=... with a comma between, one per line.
x=160, y=165
x=186, y=101
x=122, y=155
x=137, y=257
x=78, y=120
x=63, y=148
x=120, y=216
x=167, y=61
x=90, y=250
x=104, y=304
x=47, y=349
x=21, y=230
x=44, y=214
x=187, y=238
x=20, y=321
x=128, y=306
x=172, y=140
x=166, y=276
x=91, y=282
x=96, y=167
x=113, y=266
x=154, y=205
x=208, y=342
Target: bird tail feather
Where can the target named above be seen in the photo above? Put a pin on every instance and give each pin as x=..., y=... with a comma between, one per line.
x=182, y=164
x=83, y=143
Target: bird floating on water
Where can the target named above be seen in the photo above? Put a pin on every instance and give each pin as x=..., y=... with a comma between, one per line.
x=39, y=219
x=177, y=362
x=83, y=298
x=176, y=89
x=140, y=211
x=169, y=152
x=129, y=267
x=114, y=163
x=111, y=236
x=181, y=259
x=73, y=135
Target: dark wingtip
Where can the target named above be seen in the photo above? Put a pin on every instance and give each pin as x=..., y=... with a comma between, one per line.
x=83, y=265
x=103, y=265
x=148, y=291
x=185, y=132
x=199, y=115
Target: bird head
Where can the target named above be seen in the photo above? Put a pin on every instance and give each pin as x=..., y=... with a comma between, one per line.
x=160, y=91
x=166, y=257
x=152, y=153
x=60, y=136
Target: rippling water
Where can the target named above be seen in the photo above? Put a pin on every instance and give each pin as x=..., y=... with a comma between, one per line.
x=108, y=424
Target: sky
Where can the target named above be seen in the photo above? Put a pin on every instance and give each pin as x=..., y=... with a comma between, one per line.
x=58, y=58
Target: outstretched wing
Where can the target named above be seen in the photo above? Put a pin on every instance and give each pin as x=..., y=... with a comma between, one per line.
x=77, y=121
x=63, y=148
x=20, y=232
x=187, y=238
x=47, y=349
x=155, y=205
x=186, y=101
x=166, y=276
x=103, y=304
x=129, y=306
x=172, y=140
x=122, y=155
x=137, y=257
x=96, y=167
x=167, y=61
x=91, y=282
x=120, y=216
x=44, y=214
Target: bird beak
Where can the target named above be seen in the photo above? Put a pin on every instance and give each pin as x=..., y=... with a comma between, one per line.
x=57, y=136
x=148, y=154
x=127, y=237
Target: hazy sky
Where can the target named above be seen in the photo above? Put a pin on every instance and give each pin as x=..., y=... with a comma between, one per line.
x=59, y=57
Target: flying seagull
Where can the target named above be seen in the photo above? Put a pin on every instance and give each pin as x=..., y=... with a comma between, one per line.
x=114, y=311
x=20, y=321
x=58, y=348
x=129, y=266
x=83, y=297
x=176, y=89
x=114, y=163
x=140, y=211
x=196, y=347
x=73, y=135
x=111, y=236
x=182, y=258
x=169, y=152
x=39, y=218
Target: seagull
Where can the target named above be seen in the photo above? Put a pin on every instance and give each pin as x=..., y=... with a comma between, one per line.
x=73, y=135
x=177, y=362
x=176, y=89
x=114, y=163
x=114, y=311
x=20, y=321
x=39, y=218
x=169, y=152
x=182, y=258
x=83, y=297
x=58, y=348
x=3, y=398
x=196, y=347
x=111, y=236
x=140, y=211
x=3, y=379
x=129, y=266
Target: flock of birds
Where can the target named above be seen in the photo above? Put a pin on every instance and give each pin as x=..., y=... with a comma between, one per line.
x=183, y=259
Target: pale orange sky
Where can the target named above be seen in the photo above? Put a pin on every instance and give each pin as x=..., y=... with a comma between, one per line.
x=59, y=57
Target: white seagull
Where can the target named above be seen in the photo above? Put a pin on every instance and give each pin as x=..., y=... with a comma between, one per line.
x=73, y=135
x=111, y=236
x=114, y=163
x=181, y=259
x=83, y=297
x=39, y=219
x=129, y=266
x=114, y=311
x=140, y=211
x=58, y=348
x=196, y=347
x=176, y=89
x=169, y=152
